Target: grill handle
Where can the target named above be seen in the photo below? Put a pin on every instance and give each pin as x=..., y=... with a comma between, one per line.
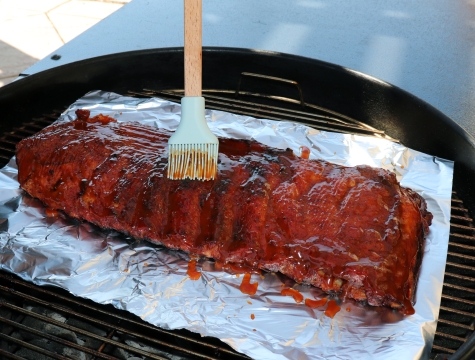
x=271, y=78
x=193, y=52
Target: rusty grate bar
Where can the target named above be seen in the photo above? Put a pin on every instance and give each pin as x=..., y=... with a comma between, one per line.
x=462, y=246
x=25, y=131
x=457, y=287
x=19, y=133
x=33, y=347
x=462, y=226
x=464, y=218
x=443, y=349
x=17, y=136
x=5, y=148
x=462, y=236
x=44, y=121
x=452, y=337
x=463, y=256
x=458, y=276
x=452, y=323
x=52, y=116
x=9, y=355
x=461, y=266
x=457, y=299
x=33, y=125
x=458, y=208
x=457, y=311
x=7, y=141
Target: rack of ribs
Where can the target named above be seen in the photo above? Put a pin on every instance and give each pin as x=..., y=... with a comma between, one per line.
x=352, y=231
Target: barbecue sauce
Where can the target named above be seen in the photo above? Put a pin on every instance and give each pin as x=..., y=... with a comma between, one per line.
x=246, y=286
x=315, y=303
x=332, y=309
x=192, y=272
x=83, y=119
x=304, y=152
x=298, y=297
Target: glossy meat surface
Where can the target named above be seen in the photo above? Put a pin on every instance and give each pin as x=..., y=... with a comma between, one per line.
x=349, y=230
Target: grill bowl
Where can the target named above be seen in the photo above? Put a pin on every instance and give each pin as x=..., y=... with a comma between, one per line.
x=399, y=114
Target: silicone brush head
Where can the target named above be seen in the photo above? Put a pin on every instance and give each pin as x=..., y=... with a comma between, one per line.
x=193, y=148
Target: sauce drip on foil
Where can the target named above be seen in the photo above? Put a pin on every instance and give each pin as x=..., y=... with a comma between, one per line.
x=246, y=286
x=192, y=272
x=332, y=309
x=315, y=303
x=298, y=297
x=304, y=152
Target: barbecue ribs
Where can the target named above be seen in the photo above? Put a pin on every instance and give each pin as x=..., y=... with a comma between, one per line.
x=348, y=230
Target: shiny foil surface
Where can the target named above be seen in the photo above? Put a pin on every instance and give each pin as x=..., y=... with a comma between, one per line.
x=151, y=281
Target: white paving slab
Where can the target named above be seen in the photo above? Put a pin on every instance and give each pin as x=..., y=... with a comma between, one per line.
x=86, y=9
x=32, y=29
x=34, y=35
x=31, y=5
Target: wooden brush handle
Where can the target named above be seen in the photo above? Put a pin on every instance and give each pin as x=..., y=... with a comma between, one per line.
x=193, y=61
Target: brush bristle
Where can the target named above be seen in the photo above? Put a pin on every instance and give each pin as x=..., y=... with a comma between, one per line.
x=192, y=161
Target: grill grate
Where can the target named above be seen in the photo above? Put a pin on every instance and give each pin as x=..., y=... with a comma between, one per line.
x=35, y=320
x=457, y=312
x=40, y=320
x=314, y=116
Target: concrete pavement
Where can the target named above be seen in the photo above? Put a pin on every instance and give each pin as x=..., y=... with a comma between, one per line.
x=33, y=29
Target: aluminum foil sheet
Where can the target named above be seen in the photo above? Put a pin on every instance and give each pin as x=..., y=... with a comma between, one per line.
x=151, y=282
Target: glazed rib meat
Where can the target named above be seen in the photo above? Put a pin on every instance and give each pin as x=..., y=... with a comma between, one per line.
x=348, y=230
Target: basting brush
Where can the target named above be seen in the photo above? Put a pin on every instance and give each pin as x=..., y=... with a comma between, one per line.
x=193, y=148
